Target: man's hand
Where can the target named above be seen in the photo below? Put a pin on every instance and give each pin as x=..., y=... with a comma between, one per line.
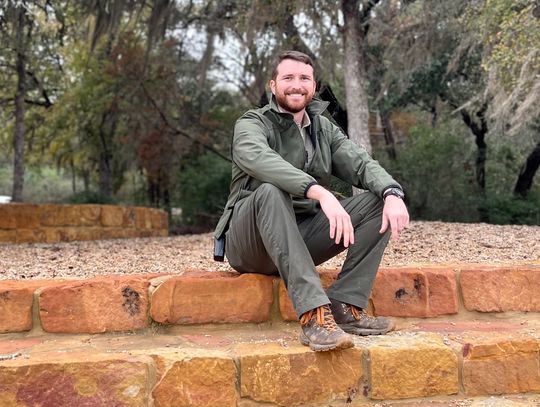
x=394, y=214
x=339, y=219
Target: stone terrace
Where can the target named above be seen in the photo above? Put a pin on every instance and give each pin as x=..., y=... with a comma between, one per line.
x=465, y=333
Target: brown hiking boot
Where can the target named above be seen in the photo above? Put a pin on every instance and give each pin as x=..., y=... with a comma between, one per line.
x=356, y=321
x=320, y=332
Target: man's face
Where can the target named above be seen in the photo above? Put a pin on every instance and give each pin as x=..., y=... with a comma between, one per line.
x=294, y=85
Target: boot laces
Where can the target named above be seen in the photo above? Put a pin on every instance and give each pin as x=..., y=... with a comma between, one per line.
x=324, y=318
x=357, y=313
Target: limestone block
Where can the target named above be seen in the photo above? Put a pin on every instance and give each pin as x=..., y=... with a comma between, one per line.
x=53, y=215
x=129, y=218
x=296, y=375
x=198, y=381
x=159, y=219
x=411, y=366
x=83, y=215
x=104, y=304
x=16, y=306
x=112, y=215
x=415, y=292
x=8, y=218
x=212, y=297
x=8, y=236
x=143, y=218
x=72, y=382
x=31, y=235
x=501, y=289
x=501, y=366
x=27, y=215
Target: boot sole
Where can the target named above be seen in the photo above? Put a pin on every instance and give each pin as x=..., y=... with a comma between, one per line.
x=345, y=344
x=350, y=329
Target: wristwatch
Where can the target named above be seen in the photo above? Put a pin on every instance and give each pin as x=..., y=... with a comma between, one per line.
x=393, y=191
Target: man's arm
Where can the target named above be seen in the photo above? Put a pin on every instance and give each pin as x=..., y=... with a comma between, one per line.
x=254, y=156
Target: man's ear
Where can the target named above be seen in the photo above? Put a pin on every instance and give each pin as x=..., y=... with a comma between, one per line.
x=272, y=84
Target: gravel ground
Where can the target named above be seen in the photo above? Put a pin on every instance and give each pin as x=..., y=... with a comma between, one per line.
x=423, y=242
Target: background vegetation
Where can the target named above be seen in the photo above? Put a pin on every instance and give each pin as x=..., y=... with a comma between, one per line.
x=133, y=102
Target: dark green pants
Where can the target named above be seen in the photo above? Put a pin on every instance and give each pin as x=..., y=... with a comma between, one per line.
x=266, y=237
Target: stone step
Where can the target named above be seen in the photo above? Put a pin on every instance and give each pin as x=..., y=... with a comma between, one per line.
x=423, y=363
x=134, y=302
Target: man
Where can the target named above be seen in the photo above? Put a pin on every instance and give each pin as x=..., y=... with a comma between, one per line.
x=280, y=215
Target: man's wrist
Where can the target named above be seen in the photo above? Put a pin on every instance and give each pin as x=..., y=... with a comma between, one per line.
x=394, y=191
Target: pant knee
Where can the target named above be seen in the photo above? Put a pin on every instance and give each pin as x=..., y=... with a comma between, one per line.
x=270, y=193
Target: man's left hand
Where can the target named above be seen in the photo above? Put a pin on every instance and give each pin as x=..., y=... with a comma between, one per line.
x=394, y=214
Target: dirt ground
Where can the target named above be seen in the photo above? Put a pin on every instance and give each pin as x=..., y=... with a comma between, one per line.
x=422, y=243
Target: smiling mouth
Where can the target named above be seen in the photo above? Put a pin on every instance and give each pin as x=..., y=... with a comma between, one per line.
x=296, y=94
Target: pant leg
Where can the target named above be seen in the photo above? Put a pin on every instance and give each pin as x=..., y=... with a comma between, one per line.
x=263, y=235
x=355, y=280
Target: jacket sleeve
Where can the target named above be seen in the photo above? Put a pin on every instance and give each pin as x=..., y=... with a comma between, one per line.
x=252, y=153
x=354, y=165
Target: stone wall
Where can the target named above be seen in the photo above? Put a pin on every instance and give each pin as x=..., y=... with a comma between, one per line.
x=50, y=223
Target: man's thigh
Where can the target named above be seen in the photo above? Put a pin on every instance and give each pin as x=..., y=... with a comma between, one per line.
x=244, y=247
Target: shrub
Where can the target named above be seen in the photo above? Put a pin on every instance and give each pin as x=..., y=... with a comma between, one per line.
x=201, y=190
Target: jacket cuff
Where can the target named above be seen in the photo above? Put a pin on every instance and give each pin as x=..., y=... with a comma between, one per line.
x=391, y=186
x=309, y=186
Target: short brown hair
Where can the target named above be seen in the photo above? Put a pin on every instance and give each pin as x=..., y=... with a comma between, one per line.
x=295, y=56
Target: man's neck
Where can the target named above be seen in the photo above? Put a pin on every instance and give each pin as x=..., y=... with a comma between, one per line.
x=297, y=117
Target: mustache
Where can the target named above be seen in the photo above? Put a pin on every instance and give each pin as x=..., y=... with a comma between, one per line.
x=296, y=91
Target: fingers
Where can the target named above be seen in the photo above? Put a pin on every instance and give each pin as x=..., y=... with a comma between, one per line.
x=395, y=215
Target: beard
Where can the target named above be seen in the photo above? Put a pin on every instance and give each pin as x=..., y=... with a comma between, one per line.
x=293, y=106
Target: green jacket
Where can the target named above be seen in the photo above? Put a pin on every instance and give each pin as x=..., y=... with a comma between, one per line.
x=267, y=147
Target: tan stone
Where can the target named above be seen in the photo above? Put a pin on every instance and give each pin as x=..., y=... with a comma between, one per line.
x=517, y=373
x=112, y=215
x=129, y=218
x=74, y=382
x=8, y=236
x=53, y=215
x=501, y=289
x=159, y=219
x=83, y=215
x=501, y=363
x=31, y=235
x=93, y=306
x=411, y=366
x=212, y=297
x=296, y=375
x=198, y=381
x=143, y=218
x=8, y=219
x=27, y=216
x=415, y=292
x=16, y=306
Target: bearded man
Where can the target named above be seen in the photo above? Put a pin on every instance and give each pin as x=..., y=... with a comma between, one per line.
x=281, y=216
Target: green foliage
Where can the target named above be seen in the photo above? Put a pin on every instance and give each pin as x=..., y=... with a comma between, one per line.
x=42, y=184
x=436, y=171
x=505, y=209
x=90, y=197
x=201, y=189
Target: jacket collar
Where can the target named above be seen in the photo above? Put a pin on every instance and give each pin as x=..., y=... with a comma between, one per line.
x=315, y=107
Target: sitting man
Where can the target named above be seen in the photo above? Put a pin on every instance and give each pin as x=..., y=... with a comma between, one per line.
x=280, y=215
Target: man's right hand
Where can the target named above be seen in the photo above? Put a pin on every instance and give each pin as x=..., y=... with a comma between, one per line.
x=340, y=221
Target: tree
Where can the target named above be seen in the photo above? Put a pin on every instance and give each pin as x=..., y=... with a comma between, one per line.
x=31, y=29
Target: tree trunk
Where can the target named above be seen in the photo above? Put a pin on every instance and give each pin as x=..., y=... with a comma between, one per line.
x=18, y=136
x=479, y=132
x=355, y=75
x=527, y=173
x=389, y=136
